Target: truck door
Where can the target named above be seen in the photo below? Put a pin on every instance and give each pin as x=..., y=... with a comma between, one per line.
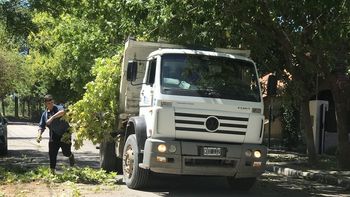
x=147, y=94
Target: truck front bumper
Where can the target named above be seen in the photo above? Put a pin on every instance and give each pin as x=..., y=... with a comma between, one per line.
x=188, y=158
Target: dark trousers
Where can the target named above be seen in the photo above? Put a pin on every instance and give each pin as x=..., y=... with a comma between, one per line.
x=54, y=145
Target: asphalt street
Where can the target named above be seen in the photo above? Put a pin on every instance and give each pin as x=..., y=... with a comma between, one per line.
x=23, y=147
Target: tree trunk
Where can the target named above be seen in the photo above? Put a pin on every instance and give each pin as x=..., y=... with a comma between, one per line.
x=16, y=106
x=28, y=103
x=23, y=108
x=3, y=107
x=108, y=159
x=306, y=122
x=340, y=99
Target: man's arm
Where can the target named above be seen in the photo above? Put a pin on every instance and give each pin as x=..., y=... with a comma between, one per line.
x=59, y=114
x=42, y=126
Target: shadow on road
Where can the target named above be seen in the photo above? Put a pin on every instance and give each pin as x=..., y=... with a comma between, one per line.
x=266, y=185
x=27, y=158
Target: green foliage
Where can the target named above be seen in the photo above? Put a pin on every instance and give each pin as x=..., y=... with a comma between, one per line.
x=15, y=75
x=63, y=53
x=85, y=175
x=94, y=115
x=12, y=71
x=291, y=136
x=18, y=18
x=71, y=35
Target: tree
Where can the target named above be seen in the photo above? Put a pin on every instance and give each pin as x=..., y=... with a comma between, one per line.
x=95, y=114
x=15, y=26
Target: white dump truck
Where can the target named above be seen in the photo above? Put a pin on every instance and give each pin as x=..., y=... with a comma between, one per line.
x=189, y=112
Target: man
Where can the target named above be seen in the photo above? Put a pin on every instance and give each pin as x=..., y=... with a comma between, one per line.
x=58, y=128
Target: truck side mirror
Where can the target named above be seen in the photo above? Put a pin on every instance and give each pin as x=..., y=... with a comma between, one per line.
x=272, y=85
x=131, y=71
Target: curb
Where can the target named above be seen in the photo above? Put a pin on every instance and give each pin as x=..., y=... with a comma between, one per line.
x=23, y=123
x=318, y=177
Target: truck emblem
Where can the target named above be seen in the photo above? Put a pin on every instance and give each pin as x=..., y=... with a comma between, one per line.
x=212, y=124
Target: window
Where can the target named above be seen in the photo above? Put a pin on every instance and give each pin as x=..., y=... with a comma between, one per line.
x=209, y=76
x=151, y=73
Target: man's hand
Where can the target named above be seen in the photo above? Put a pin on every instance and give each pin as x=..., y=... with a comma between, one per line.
x=38, y=138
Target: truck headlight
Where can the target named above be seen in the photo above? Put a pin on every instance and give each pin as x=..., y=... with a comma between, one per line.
x=257, y=154
x=161, y=148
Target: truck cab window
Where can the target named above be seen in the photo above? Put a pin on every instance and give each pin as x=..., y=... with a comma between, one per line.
x=209, y=76
x=151, y=73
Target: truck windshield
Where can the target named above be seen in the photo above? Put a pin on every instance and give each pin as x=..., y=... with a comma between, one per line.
x=209, y=76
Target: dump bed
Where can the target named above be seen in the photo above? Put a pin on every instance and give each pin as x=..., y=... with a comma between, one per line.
x=135, y=50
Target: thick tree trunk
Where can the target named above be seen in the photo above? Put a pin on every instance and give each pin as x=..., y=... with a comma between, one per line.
x=306, y=122
x=341, y=97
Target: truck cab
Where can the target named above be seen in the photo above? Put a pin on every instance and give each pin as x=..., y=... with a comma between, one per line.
x=199, y=112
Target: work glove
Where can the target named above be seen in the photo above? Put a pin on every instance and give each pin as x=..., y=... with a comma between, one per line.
x=38, y=138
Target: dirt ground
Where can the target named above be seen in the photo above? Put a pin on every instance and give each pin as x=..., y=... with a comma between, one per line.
x=41, y=189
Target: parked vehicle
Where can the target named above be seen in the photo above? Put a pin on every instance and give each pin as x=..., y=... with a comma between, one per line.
x=3, y=135
x=189, y=112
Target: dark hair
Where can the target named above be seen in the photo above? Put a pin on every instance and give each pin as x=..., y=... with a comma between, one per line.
x=48, y=97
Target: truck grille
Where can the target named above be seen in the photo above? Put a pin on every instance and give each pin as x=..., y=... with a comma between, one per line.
x=210, y=162
x=210, y=123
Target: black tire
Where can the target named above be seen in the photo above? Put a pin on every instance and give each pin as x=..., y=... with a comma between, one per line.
x=134, y=176
x=108, y=158
x=241, y=184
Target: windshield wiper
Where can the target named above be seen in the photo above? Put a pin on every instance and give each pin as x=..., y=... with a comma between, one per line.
x=211, y=93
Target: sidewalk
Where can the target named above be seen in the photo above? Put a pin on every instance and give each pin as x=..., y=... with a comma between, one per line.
x=295, y=165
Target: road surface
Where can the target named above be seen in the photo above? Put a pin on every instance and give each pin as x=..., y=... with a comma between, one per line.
x=22, y=146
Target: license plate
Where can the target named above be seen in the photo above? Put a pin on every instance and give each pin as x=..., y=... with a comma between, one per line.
x=212, y=151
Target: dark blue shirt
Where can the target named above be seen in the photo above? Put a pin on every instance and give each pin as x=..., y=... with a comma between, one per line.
x=47, y=114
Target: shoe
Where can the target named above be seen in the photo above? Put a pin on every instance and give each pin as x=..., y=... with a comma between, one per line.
x=52, y=171
x=71, y=160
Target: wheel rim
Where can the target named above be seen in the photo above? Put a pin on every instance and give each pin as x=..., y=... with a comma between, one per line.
x=128, y=161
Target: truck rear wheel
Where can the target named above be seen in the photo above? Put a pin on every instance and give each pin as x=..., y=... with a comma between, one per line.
x=241, y=184
x=134, y=176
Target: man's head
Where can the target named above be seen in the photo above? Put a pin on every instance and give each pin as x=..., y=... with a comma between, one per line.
x=48, y=99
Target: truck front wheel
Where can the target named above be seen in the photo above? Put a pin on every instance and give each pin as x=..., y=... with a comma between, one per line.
x=241, y=184
x=134, y=176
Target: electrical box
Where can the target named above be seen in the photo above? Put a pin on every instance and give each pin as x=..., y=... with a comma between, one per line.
x=318, y=109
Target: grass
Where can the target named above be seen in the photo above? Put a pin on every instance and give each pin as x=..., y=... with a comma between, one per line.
x=18, y=174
